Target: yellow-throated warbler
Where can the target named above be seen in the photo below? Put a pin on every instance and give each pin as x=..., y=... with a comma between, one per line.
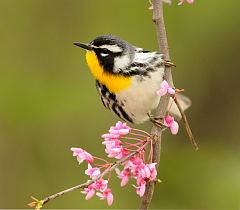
x=127, y=77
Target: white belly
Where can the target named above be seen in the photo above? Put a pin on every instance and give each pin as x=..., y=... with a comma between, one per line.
x=141, y=97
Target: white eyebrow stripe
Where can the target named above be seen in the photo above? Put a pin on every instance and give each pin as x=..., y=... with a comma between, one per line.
x=112, y=48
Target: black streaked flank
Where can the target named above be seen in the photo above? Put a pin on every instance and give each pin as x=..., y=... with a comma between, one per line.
x=114, y=109
x=124, y=114
x=110, y=102
x=104, y=102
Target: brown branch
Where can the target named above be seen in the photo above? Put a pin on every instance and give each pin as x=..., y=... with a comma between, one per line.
x=158, y=19
x=157, y=6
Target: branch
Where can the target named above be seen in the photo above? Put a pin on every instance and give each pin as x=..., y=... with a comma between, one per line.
x=164, y=101
x=158, y=19
x=186, y=124
x=40, y=203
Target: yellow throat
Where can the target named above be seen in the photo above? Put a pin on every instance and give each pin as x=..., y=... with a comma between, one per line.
x=114, y=83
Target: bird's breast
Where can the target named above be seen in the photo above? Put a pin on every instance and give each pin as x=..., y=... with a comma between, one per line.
x=141, y=97
x=114, y=83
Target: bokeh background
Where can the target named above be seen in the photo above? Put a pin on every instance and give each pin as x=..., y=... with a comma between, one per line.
x=48, y=101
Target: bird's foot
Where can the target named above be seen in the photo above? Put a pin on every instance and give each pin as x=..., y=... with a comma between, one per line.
x=168, y=63
x=156, y=120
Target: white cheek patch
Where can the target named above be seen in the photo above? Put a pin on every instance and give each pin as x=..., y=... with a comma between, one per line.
x=121, y=62
x=112, y=48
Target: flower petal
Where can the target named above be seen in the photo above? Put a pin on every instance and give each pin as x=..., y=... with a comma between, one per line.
x=80, y=160
x=124, y=181
x=171, y=91
x=100, y=195
x=90, y=194
x=142, y=189
x=109, y=199
x=174, y=128
x=162, y=92
x=164, y=84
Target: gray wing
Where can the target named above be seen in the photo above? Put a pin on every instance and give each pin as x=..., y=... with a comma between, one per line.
x=145, y=62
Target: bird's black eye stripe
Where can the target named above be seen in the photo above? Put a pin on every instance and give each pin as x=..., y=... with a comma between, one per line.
x=104, y=50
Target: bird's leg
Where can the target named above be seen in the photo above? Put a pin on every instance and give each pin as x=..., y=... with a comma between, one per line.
x=156, y=120
x=168, y=63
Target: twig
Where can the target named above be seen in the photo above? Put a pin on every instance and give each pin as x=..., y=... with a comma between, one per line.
x=186, y=124
x=164, y=101
x=86, y=184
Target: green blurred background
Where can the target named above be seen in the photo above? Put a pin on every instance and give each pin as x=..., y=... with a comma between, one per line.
x=48, y=101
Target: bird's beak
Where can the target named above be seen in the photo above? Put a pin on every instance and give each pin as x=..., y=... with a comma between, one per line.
x=84, y=46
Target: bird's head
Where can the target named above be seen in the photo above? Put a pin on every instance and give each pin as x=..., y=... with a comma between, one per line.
x=112, y=53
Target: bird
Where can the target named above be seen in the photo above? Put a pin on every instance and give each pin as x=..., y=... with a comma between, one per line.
x=128, y=77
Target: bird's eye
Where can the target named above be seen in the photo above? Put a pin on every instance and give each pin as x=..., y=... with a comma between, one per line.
x=105, y=51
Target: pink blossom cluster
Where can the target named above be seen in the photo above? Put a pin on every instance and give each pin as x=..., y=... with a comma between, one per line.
x=100, y=187
x=136, y=168
x=112, y=141
x=117, y=147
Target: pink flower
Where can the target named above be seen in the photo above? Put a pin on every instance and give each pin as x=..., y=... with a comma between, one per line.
x=140, y=189
x=92, y=172
x=89, y=191
x=172, y=124
x=115, y=132
x=124, y=175
x=82, y=155
x=114, y=148
x=117, y=152
x=110, y=136
x=100, y=185
x=148, y=171
x=120, y=129
x=188, y=1
x=153, y=171
x=107, y=194
x=165, y=88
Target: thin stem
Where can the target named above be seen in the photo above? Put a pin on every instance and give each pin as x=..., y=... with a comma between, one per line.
x=132, y=138
x=186, y=124
x=98, y=158
x=130, y=144
x=101, y=165
x=141, y=131
x=150, y=153
x=133, y=150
